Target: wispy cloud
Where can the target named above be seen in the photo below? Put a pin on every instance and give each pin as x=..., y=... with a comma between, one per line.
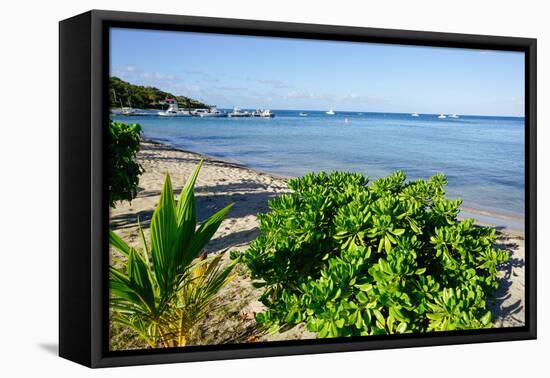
x=229, y=88
x=351, y=98
x=156, y=76
x=301, y=95
x=128, y=68
x=242, y=91
x=131, y=71
x=165, y=81
x=360, y=99
x=274, y=83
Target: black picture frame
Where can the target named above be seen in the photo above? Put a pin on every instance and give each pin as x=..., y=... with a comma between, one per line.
x=83, y=245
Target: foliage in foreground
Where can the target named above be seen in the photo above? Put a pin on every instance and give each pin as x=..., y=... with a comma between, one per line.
x=159, y=292
x=124, y=171
x=351, y=258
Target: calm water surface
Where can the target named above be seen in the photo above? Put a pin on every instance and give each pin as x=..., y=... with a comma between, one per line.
x=483, y=157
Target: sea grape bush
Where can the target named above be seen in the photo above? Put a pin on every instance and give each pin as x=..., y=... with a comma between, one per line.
x=350, y=258
x=124, y=170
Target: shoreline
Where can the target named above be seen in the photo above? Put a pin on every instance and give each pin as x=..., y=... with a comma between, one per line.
x=221, y=182
x=214, y=159
x=343, y=111
x=504, y=221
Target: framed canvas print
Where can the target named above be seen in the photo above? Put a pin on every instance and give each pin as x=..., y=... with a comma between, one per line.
x=234, y=188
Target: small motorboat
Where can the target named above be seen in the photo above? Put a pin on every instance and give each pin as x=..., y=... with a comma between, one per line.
x=441, y=116
x=330, y=112
x=453, y=116
x=302, y=114
x=415, y=115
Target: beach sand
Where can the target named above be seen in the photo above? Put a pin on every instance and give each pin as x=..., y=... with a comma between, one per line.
x=220, y=183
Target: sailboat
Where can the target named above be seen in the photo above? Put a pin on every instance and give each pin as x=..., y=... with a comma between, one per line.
x=125, y=110
x=331, y=112
x=442, y=116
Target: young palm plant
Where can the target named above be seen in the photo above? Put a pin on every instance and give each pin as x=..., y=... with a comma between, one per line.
x=159, y=291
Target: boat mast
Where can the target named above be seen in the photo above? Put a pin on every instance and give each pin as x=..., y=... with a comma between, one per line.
x=115, y=98
x=129, y=99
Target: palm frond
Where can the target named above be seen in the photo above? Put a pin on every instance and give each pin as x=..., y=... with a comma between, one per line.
x=164, y=297
x=205, y=232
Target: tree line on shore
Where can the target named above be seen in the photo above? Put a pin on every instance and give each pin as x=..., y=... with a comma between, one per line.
x=125, y=94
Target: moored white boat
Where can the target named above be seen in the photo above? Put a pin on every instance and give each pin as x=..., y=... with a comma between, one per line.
x=442, y=116
x=331, y=112
x=127, y=111
x=174, y=111
x=453, y=116
x=212, y=112
x=415, y=115
x=237, y=112
x=302, y=114
x=265, y=113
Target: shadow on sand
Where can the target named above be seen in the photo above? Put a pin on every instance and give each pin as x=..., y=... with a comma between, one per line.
x=502, y=294
x=248, y=198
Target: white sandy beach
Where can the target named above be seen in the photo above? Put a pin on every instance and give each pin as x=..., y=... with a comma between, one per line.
x=221, y=183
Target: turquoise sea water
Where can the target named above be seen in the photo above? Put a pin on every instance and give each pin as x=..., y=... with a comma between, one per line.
x=483, y=157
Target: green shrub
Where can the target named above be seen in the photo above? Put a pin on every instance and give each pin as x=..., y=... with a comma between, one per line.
x=353, y=258
x=124, y=171
x=158, y=291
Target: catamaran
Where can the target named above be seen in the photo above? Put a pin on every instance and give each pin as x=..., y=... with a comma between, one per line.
x=331, y=112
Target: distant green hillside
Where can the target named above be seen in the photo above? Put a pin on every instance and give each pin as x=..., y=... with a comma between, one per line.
x=137, y=96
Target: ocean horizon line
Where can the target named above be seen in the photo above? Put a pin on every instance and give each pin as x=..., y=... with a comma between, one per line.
x=337, y=111
x=376, y=112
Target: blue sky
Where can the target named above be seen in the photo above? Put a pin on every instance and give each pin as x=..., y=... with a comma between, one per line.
x=281, y=73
